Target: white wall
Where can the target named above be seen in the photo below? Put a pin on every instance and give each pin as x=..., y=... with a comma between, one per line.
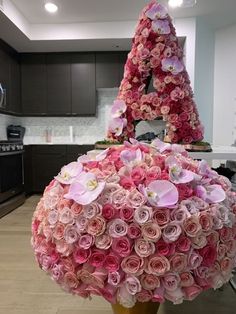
x=225, y=86
x=204, y=74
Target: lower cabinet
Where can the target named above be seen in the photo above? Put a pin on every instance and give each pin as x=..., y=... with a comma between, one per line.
x=43, y=162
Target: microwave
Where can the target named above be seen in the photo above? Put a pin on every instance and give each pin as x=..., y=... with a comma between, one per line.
x=2, y=97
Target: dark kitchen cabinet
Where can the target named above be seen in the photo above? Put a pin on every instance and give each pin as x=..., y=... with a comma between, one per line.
x=33, y=84
x=47, y=161
x=107, y=69
x=122, y=61
x=14, y=101
x=83, y=84
x=4, y=74
x=43, y=162
x=58, y=84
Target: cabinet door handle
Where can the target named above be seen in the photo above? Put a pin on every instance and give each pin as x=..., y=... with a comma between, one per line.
x=74, y=114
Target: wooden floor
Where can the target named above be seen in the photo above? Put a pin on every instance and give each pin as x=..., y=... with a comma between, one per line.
x=25, y=289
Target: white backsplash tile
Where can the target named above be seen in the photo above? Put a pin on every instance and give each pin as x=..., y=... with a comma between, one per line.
x=86, y=130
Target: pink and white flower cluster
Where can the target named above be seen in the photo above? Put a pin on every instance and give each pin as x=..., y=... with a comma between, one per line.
x=156, y=52
x=137, y=223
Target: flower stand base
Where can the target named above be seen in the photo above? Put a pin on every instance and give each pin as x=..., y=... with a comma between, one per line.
x=139, y=308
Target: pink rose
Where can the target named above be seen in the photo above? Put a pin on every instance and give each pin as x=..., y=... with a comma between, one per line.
x=199, y=241
x=108, y=211
x=165, y=249
x=53, y=217
x=133, y=264
x=153, y=173
x=136, y=199
x=122, y=246
x=81, y=223
x=180, y=214
x=66, y=216
x=206, y=221
x=126, y=213
x=157, y=265
x=226, y=265
x=150, y=281
x=144, y=296
x=134, y=231
x=97, y=258
x=70, y=234
x=109, y=293
x=85, y=241
x=178, y=262
x=138, y=175
x=151, y=231
x=186, y=279
x=192, y=292
x=194, y=260
x=111, y=263
x=231, y=248
x=171, y=232
x=209, y=255
x=68, y=264
x=119, y=198
x=115, y=278
x=103, y=241
x=161, y=216
x=126, y=183
x=133, y=285
x=143, y=214
x=96, y=226
x=221, y=251
x=81, y=256
x=171, y=281
x=183, y=244
x=117, y=228
x=64, y=248
x=213, y=237
x=57, y=272
x=192, y=226
x=70, y=280
x=76, y=208
x=225, y=234
x=143, y=248
x=91, y=210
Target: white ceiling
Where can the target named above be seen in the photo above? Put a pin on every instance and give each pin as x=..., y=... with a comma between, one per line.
x=77, y=11
x=85, y=25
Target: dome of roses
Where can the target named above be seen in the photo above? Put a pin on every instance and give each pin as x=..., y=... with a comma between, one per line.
x=137, y=222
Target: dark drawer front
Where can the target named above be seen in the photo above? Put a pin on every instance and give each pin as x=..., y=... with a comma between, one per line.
x=50, y=149
x=74, y=151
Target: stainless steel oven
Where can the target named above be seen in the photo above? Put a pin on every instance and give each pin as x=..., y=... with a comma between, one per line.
x=11, y=170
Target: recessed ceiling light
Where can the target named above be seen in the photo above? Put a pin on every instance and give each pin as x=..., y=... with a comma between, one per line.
x=51, y=7
x=175, y=3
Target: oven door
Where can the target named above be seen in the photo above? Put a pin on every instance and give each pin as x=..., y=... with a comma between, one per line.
x=11, y=174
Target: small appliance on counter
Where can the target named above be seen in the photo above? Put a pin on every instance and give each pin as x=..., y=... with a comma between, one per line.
x=15, y=133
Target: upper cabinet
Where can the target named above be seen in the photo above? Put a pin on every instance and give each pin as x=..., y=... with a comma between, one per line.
x=10, y=79
x=58, y=84
x=83, y=84
x=34, y=84
x=110, y=68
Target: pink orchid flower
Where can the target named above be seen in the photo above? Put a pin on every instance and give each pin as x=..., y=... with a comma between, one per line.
x=157, y=11
x=172, y=65
x=85, y=189
x=131, y=157
x=117, y=125
x=161, y=193
x=69, y=172
x=161, y=27
x=119, y=107
x=211, y=194
x=205, y=170
x=161, y=146
x=177, y=174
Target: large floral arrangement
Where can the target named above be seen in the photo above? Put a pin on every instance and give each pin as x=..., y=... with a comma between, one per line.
x=155, y=52
x=137, y=223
